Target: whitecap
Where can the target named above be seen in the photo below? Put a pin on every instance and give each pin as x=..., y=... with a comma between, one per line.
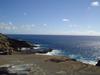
x=88, y=62
x=54, y=52
x=83, y=60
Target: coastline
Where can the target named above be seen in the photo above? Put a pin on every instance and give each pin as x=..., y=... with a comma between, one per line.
x=84, y=49
x=56, y=52
x=43, y=62
x=26, y=47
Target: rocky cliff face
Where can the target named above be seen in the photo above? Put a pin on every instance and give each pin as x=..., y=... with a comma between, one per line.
x=4, y=44
x=8, y=45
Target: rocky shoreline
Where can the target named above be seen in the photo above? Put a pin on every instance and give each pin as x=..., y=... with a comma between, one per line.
x=11, y=46
x=18, y=58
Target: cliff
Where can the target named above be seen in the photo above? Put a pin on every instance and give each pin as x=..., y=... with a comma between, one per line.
x=8, y=45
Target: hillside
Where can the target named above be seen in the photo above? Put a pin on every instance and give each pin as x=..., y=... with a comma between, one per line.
x=8, y=45
x=4, y=44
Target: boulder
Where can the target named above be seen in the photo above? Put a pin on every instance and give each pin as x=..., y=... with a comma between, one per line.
x=98, y=63
x=21, y=69
x=4, y=71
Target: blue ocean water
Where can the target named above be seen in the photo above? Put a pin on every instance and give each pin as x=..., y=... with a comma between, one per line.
x=82, y=48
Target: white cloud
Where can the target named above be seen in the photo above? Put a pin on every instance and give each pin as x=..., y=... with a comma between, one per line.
x=28, y=27
x=9, y=26
x=87, y=32
x=10, y=23
x=65, y=20
x=33, y=25
x=95, y=3
x=44, y=24
x=14, y=27
x=92, y=32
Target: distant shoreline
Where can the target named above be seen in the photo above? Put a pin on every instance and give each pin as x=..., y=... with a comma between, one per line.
x=56, y=35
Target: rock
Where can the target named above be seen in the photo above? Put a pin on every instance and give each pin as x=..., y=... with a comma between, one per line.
x=35, y=51
x=98, y=63
x=8, y=45
x=19, y=44
x=58, y=60
x=21, y=69
x=5, y=47
x=4, y=71
x=61, y=72
x=43, y=50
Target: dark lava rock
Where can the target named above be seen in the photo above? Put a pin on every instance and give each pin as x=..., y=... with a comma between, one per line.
x=8, y=45
x=5, y=47
x=4, y=71
x=58, y=60
x=98, y=63
x=19, y=44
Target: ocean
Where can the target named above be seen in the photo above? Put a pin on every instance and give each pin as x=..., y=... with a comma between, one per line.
x=82, y=48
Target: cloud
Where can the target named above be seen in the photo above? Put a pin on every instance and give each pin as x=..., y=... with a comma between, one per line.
x=86, y=32
x=28, y=26
x=93, y=32
x=29, y=29
x=10, y=23
x=44, y=24
x=65, y=20
x=95, y=3
x=26, y=29
x=9, y=26
x=33, y=25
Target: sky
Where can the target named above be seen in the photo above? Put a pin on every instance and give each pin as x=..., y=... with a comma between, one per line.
x=50, y=17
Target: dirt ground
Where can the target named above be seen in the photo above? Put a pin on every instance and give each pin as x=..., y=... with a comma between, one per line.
x=51, y=65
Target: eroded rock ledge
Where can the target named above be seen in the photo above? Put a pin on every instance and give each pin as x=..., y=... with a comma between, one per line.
x=10, y=46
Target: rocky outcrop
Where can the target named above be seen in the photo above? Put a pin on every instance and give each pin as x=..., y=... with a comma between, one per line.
x=8, y=45
x=19, y=44
x=59, y=59
x=98, y=63
x=20, y=69
x=5, y=47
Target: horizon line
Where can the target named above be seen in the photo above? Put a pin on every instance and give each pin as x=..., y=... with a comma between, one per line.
x=52, y=34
